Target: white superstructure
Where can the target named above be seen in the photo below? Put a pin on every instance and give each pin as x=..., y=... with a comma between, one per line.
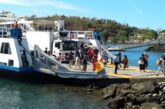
x=53, y=38
x=11, y=51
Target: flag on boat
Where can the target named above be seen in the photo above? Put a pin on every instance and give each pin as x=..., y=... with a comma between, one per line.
x=100, y=70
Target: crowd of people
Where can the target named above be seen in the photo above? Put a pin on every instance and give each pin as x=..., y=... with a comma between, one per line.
x=118, y=60
x=143, y=62
x=85, y=54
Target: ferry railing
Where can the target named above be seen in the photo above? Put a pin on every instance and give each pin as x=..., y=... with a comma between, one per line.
x=41, y=60
x=76, y=34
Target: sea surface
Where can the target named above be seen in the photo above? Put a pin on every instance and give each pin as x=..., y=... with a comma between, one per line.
x=135, y=53
x=23, y=95
x=19, y=95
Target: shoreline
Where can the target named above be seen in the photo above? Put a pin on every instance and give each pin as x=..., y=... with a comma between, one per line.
x=156, y=48
x=143, y=95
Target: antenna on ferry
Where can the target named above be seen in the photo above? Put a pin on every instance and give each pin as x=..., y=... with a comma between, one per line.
x=59, y=25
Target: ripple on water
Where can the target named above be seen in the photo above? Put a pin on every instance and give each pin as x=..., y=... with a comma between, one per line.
x=19, y=95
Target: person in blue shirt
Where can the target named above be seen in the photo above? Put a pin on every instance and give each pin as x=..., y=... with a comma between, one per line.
x=104, y=57
x=16, y=32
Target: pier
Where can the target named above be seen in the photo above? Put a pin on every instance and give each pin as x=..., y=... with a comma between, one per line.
x=123, y=47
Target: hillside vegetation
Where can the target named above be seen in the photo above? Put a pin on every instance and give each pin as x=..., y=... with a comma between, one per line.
x=111, y=31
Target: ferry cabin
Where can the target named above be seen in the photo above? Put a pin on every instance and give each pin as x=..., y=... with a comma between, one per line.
x=13, y=57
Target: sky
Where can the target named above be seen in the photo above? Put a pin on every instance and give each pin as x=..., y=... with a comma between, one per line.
x=138, y=13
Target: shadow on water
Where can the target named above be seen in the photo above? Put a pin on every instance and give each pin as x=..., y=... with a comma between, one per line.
x=22, y=95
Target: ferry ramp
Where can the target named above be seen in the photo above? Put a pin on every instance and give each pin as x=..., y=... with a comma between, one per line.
x=49, y=65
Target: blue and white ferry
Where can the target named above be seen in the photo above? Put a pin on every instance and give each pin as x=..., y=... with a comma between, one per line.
x=24, y=56
x=15, y=58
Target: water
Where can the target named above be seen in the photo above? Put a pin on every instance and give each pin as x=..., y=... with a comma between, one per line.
x=134, y=54
x=19, y=95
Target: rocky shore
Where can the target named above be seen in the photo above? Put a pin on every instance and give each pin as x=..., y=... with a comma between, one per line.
x=156, y=48
x=145, y=95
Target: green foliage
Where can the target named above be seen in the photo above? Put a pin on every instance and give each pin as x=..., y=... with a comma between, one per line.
x=110, y=29
x=114, y=40
x=122, y=36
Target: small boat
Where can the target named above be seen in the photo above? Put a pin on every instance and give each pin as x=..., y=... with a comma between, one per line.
x=116, y=49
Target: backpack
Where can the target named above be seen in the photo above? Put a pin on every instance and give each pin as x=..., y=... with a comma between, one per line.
x=158, y=62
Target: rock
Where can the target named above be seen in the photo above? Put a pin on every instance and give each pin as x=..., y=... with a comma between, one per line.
x=158, y=48
x=116, y=103
x=144, y=87
x=129, y=104
x=162, y=98
x=124, y=86
x=163, y=89
x=150, y=106
x=124, y=92
x=145, y=94
x=160, y=93
x=154, y=95
x=109, y=91
x=162, y=104
x=149, y=95
x=154, y=99
x=140, y=99
x=130, y=97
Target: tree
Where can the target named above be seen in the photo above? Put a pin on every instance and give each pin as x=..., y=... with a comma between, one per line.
x=105, y=35
x=33, y=17
x=122, y=35
x=114, y=40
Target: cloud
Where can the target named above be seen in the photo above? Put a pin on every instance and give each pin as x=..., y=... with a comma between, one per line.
x=60, y=5
x=44, y=3
x=14, y=2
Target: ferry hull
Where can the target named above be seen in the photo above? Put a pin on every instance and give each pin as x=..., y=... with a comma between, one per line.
x=41, y=78
x=7, y=71
x=29, y=75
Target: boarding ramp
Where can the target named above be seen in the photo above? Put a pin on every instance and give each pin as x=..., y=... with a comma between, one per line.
x=46, y=64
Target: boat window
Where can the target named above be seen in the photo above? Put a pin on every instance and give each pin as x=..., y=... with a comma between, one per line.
x=69, y=46
x=10, y=62
x=5, y=48
x=57, y=45
x=3, y=32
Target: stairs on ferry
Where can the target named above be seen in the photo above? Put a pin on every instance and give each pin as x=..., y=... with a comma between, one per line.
x=44, y=63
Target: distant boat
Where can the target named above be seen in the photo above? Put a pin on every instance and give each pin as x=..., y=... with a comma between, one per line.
x=116, y=49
